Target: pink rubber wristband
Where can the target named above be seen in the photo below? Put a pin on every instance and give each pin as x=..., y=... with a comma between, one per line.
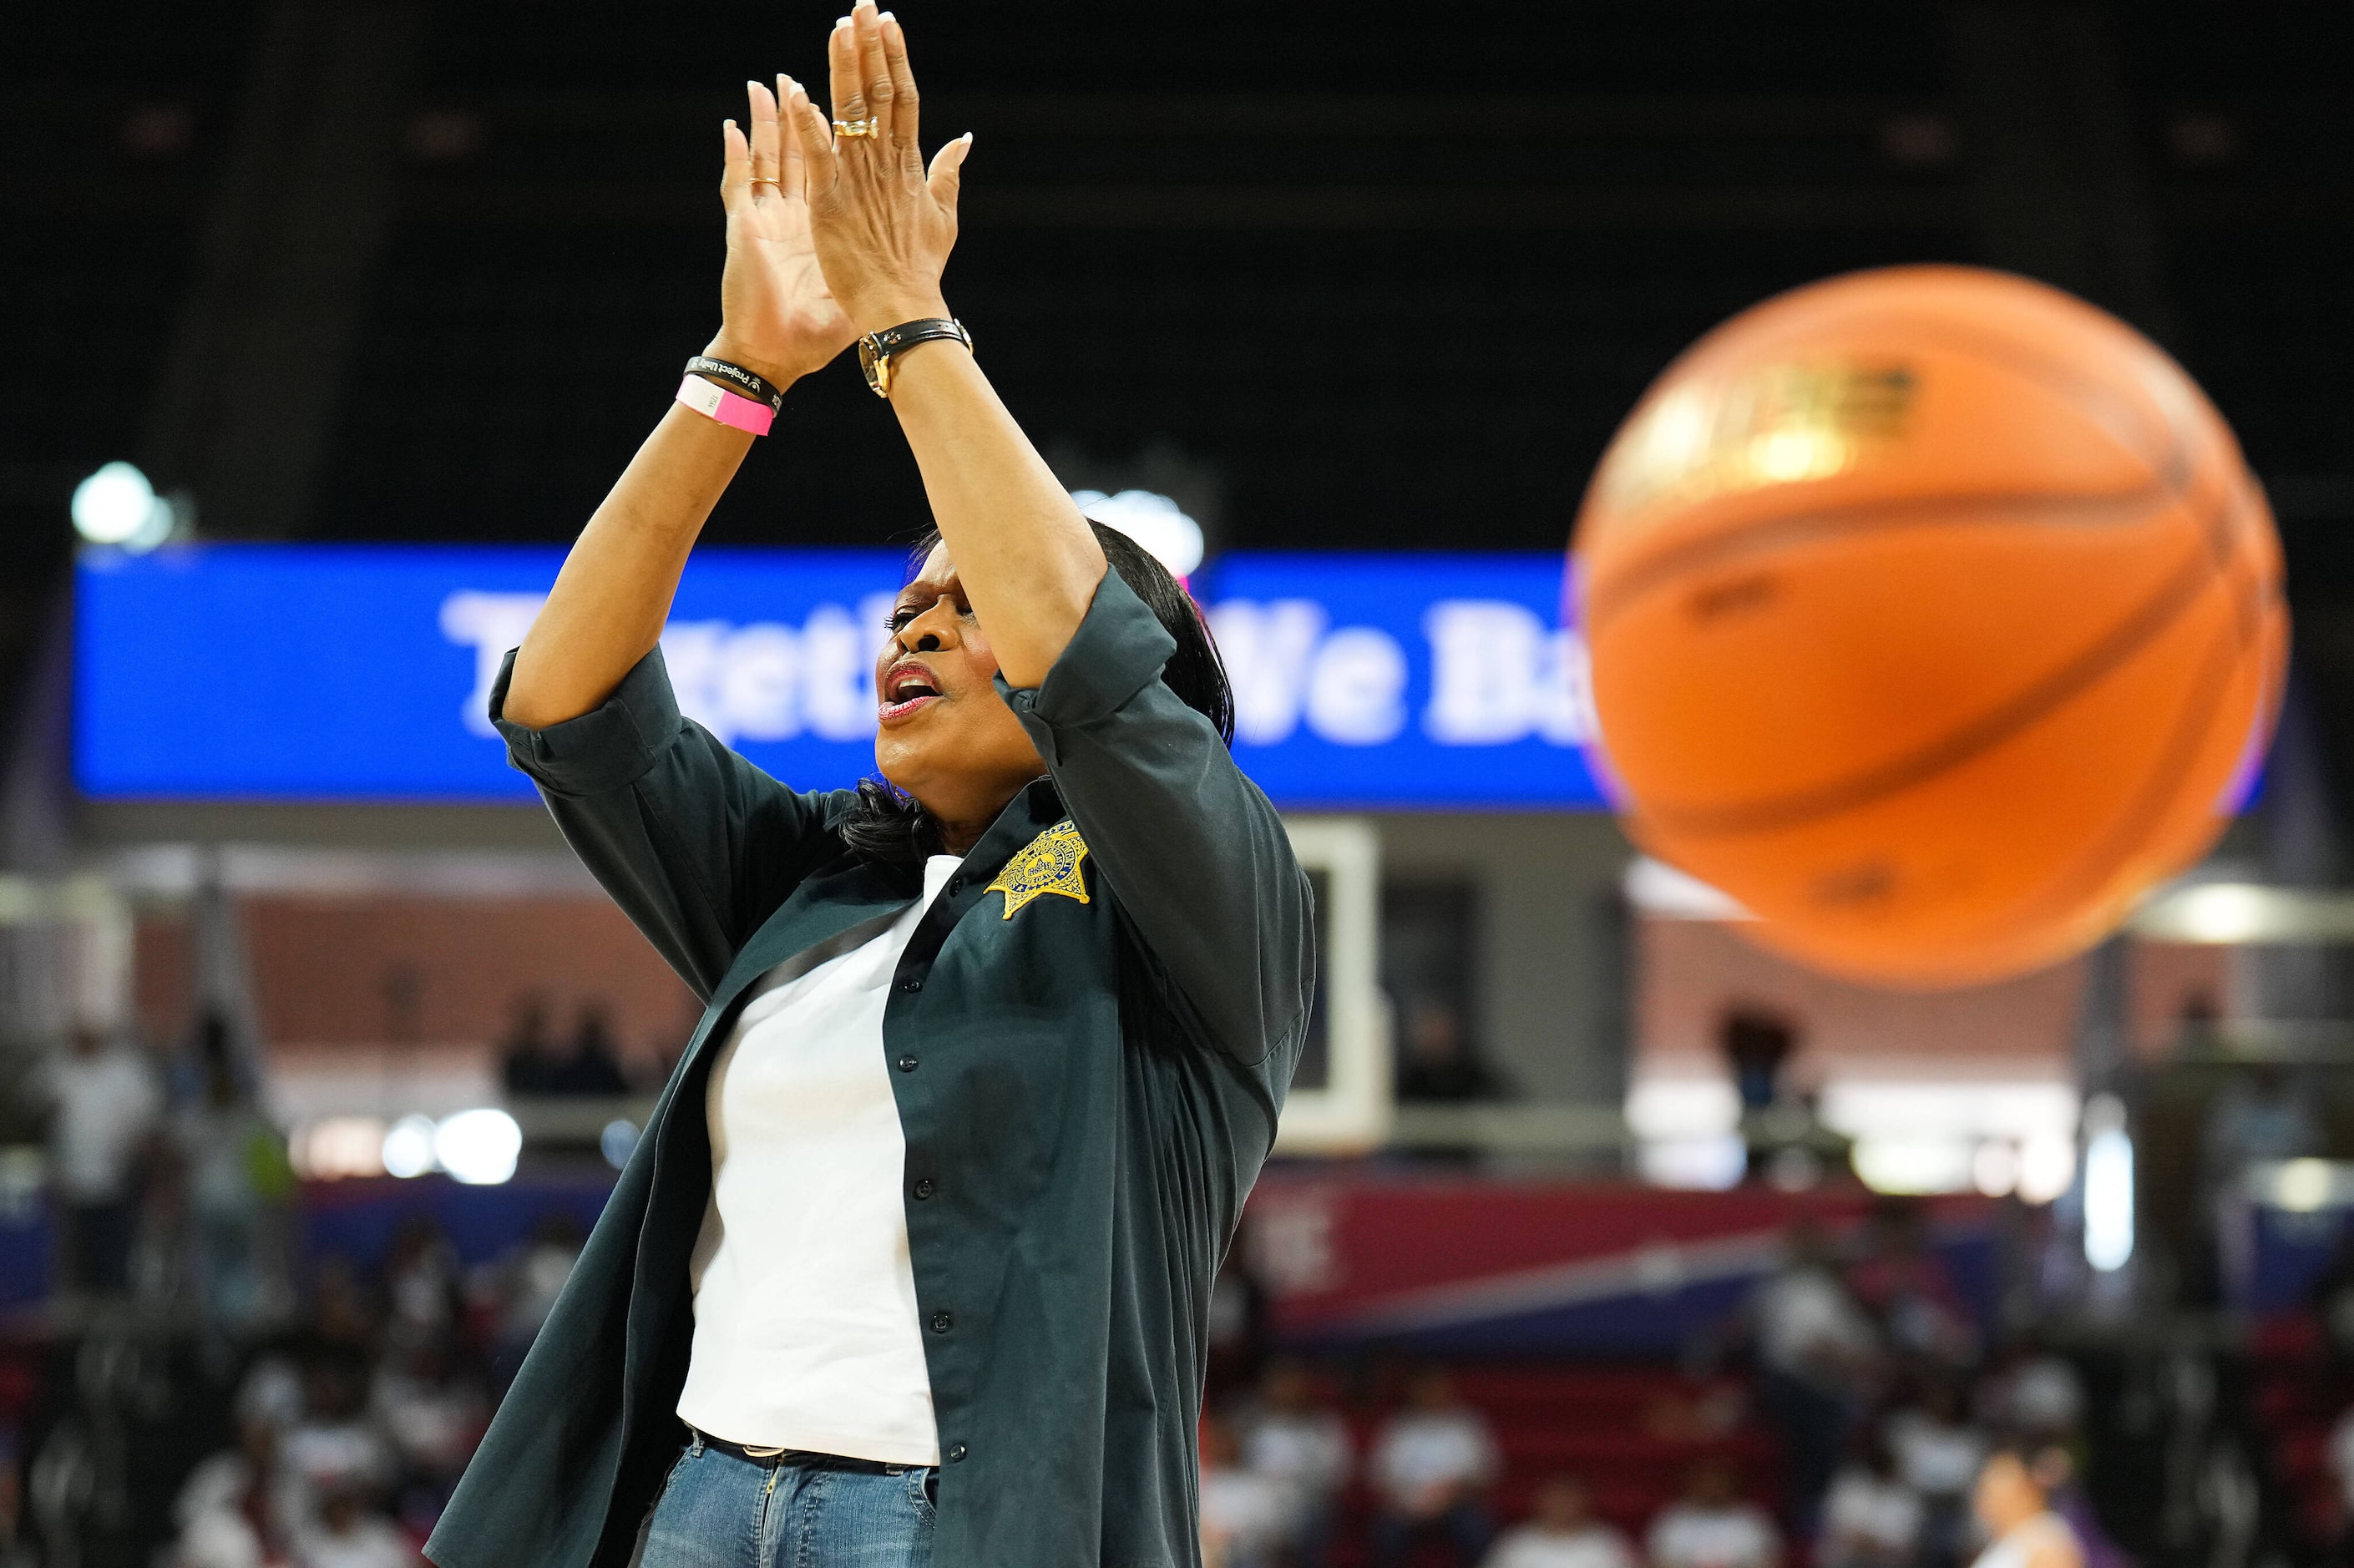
x=715, y=401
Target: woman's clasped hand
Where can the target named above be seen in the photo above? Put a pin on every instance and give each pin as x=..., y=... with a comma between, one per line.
x=835, y=226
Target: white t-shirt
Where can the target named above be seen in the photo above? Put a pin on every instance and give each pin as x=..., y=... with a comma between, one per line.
x=1588, y=1546
x=1809, y=1326
x=1246, y=1517
x=1936, y=1459
x=805, y=1327
x=1737, y=1535
x=1869, y=1520
x=106, y=1105
x=1307, y=1451
x=1419, y=1451
x=369, y=1543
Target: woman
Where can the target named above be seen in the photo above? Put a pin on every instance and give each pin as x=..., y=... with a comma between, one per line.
x=2012, y=1500
x=914, y=1261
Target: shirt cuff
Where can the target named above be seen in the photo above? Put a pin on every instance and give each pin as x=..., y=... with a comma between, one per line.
x=608, y=747
x=1120, y=648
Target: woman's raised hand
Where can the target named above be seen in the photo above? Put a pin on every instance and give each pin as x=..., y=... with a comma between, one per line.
x=883, y=223
x=779, y=317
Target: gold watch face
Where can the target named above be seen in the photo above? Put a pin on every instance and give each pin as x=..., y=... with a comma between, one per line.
x=876, y=367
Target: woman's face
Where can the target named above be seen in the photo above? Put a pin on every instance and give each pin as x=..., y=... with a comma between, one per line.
x=943, y=735
x=2005, y=1494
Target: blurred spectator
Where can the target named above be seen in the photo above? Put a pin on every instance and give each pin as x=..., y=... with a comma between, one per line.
x=523, y=1288
x=333, y=1448
x=591, y=1066
x=1438, y=1062
x=1817, y=1352
x=238, y=1184
x=1871, y=1518
x=1295, y=1442
x=1908, y=1290
x=230, y=1511
x=343, y=1317
x=433, y=1416
x=2263, y=1114
x=1431, y=1468
x=2029, y=1390
x=1938, y=1453
x=1237, y=1326
x=2341, y=1465
x=527, y=1062
x=347, y=1532
x=1562, y=1533
x=1245, y=1517
x=2012, y=1500
x=107, y=1098
x=1712, y=1526
x=15, y=1549
x=423, y=1291
x=1757, y=1047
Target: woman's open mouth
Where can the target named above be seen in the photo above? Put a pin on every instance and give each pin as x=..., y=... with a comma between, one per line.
x=907, y=687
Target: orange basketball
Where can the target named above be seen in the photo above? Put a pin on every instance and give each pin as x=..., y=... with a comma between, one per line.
x=1935, y=616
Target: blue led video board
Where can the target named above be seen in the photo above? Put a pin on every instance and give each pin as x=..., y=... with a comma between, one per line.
x=334, y=673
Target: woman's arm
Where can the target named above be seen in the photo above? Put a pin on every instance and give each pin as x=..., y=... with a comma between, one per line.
x=695, y=844
x=607, y=609
x=883, y=227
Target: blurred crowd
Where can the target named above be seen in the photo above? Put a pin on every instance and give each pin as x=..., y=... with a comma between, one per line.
x=169, y=1184
x=1902, y=1442
x=351, y=1432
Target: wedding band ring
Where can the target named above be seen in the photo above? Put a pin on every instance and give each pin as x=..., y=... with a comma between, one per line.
x=764, y=180
x=848, y=128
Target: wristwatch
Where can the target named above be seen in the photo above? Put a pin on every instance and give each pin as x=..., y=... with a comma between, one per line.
x=876, y=349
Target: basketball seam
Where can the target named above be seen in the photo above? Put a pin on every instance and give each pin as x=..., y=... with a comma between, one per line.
x=1867, y=517
x=2163, y=783
x=2015, y=715
x=2171, y=474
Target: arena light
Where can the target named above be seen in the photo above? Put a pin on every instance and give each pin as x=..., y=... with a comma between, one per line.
x=617, y=1141
x=117, y=505
x=1153, y=520
x=1705, y=1163
x=479, y=1147
x=2108, y=1185
x=408, y=1147
x=1913, y=1166
x=2302, y=1186
x=2222, y=912
x=336, y=1147
x=2046, y=1167
x=1994, y=1168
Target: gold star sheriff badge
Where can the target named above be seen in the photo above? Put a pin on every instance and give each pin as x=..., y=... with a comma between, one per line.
x=1047, y=863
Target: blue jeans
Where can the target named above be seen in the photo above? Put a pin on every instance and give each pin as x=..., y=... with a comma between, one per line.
x=717, y=1510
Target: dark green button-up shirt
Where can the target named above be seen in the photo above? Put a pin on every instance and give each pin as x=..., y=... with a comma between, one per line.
x=1087, y=1090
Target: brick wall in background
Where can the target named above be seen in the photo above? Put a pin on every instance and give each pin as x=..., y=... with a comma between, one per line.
x=383, y=970
x=1692, y=971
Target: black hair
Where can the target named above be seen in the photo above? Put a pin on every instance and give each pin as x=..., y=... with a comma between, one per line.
x=892, y=828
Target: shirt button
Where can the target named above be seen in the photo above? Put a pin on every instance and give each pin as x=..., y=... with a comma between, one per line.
x=924, y=1187
x=956, y=885
x=911, y=984
x=906, y=1064
x=942, y=1322
x=956, y=1453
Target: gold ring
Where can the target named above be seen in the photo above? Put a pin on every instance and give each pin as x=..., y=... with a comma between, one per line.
x=847, y=128
x=762, y=180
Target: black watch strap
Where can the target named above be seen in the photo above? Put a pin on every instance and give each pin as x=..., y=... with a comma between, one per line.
x=736, y=379
x=876, y=349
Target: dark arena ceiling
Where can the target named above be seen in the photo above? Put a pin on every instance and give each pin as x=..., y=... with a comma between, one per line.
x=1348, y=275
